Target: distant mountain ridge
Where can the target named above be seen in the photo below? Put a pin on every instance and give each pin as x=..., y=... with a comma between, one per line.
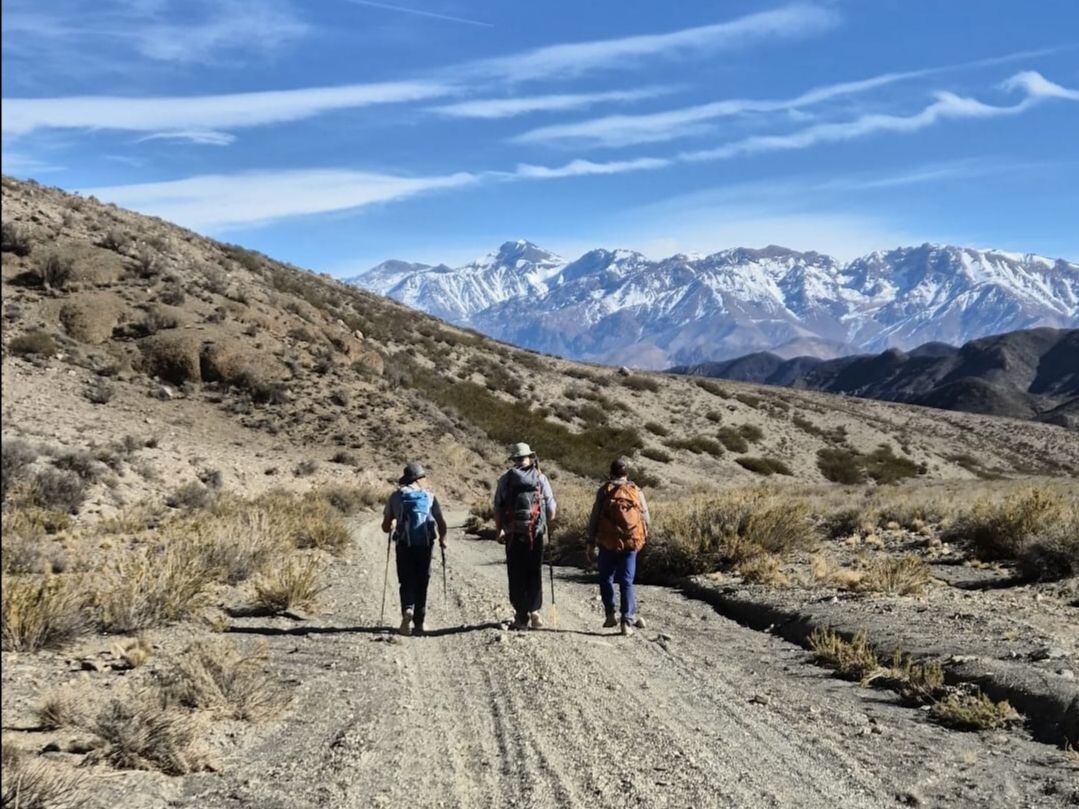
x=1032, y=374
x=620, y=307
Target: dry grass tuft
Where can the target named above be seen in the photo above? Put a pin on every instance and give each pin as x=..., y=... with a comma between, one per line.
x=215, y=676
x=294, y=583
x=37, y=785
x=853, y=659
x=141, y=732
x=906, y=575
x=134, y=652
x=59, y=709
x=152, y=585
x=41, y=612
x=973, y=711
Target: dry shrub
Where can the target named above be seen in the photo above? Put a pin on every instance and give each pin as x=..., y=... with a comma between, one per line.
x=91, y=318
x=763, y=466
x=59, y=709
x=17, y=239
x=152, y=585
x=763, y=568
x=295, y=583
x=35, y=343
x=37, y=784
x=853, y=659
x=350, y=499
x=191, y=496
x=733, y=440
x=829, y=574
x=258, y=374
x=237, y=539
x=964, y=710
x=141, y=732
x=42, y=612
x=215, y=676
x=16, y=456
x=906, y=575
x=1038, y=526
x=55, y=269
x=27, y=546
x=172, y=357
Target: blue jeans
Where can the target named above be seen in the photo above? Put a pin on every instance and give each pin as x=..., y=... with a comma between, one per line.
x=620, y=566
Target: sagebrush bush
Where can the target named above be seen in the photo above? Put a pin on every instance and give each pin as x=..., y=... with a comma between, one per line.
x=1038, y=527
x=764, y=466
x=16, y=456
x=55, y=270
x=42, y=612
x=733, y=440
x=905, y=575
x=16, y=238
x=973, y=711
x=35, y=343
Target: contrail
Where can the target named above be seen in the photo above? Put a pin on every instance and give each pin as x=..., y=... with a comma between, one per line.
x=420, y=13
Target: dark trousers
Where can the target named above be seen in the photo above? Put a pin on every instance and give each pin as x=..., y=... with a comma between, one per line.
x=621, y=567
x=413, y=574
x=524, y=564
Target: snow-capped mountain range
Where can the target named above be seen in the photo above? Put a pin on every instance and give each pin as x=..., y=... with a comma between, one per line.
x=620, y=307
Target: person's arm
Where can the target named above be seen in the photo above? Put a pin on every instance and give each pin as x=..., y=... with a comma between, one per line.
x=644, y=513
x=387, y=515
x=548, y=498
x=500, y=496
x=440, y=522
x=593, y=519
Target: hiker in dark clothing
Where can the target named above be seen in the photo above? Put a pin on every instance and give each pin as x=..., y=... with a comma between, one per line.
x=413, y=515
x=524, y=507
x=617, y=530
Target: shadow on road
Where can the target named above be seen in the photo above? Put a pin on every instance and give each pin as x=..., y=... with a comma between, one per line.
x=356, y=630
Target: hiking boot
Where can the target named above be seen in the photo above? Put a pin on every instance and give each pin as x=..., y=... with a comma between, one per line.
x=406, y=622
x=535, y=621
x=638, y=622
x=520, y=622
x=611, y=620
x=627, y=627
x=420, y=628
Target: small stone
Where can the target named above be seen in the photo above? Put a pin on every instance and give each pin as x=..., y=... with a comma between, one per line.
x=90, y=664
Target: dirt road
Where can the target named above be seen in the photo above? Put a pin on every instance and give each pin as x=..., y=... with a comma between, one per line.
x=693, y=711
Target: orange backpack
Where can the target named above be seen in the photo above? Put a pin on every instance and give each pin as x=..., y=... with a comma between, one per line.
x=621, y=521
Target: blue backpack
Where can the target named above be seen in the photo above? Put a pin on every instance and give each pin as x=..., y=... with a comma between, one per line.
x=414, y=526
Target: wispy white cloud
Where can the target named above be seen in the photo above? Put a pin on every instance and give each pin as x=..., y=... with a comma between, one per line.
x=509, y=107
x=202, y=137
x=947, y=106
x=150, y=28
x=193, y=113
x=574, y=59
x=625, y=130
x=421, y=13
x=223, y=201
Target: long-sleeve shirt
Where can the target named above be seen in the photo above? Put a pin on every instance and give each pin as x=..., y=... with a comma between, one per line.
x=393, y=511
x=597, y=509
x=502, y=496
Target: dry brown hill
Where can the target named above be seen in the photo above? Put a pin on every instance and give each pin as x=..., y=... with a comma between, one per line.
x=238, y=368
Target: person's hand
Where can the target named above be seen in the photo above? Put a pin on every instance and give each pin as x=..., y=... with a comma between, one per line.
x=442, y=543
x=593, y=553
x=501, y=537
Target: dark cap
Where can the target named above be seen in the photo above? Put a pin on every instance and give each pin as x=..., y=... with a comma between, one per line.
x=619, y=468
x=413, y=472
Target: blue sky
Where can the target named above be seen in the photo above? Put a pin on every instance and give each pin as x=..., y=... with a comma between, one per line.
x=339, y=133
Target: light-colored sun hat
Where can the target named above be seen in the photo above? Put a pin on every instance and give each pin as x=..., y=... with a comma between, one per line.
x=520, y=450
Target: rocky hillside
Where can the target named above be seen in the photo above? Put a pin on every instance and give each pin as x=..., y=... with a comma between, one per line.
x=619, y=307
x=175, y=361
x=1022, y=374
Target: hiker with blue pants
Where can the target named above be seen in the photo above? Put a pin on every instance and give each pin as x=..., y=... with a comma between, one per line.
x=413, y=517
x=617, y=530
x=524, y=507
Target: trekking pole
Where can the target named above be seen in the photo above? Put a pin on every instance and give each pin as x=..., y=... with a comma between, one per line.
x=443, y=575
x=385, y=583
x=554, y=608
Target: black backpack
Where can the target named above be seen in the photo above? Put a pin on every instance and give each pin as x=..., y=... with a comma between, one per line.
x=524, y=517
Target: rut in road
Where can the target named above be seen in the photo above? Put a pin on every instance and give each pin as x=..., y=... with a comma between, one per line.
x=693, y=711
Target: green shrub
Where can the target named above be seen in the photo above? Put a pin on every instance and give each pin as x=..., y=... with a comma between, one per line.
x=656, y=428
x=764, y=466
x=732, y=439
x=751, y=433
x=657, y=454
x=697, y=445
x=640, y=383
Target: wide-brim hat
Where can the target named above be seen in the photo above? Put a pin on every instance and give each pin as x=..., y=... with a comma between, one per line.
x=413, y=472
x=520, y=450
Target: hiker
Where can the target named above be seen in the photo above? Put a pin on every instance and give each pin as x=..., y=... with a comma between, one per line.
x=524, y=507
x=617, y=530
x=411, y=517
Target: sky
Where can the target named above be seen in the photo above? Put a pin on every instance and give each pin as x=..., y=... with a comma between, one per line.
x=336, y=134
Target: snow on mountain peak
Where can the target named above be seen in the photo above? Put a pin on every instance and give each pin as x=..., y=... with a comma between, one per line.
x=691, y=308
